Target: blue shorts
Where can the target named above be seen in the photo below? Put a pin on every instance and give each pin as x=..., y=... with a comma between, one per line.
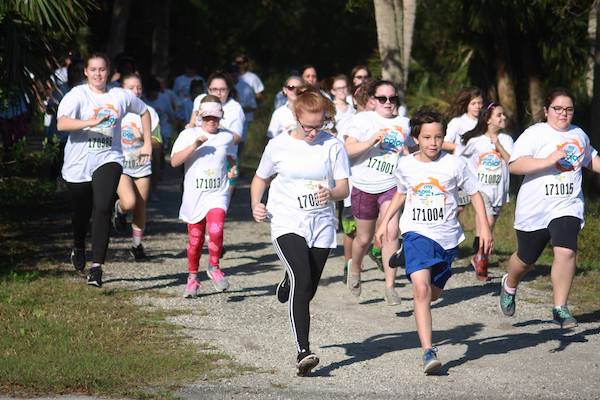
x=421, y=252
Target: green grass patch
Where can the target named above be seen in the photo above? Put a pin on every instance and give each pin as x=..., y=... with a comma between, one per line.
x=59, y=336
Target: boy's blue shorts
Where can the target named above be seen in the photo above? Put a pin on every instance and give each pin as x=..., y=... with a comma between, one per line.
x=420, y=252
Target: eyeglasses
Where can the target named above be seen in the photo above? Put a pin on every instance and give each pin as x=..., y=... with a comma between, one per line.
x=309, y=129
x=340, y=88
x=218, y=90
x=559, y=109
x=385, y=99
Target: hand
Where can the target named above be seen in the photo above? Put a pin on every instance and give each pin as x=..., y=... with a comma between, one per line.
x=323, y=195
x=381, y=233
x=486, y=241
x=233, y=172
x=145, y=153
x=259, y=212
x=200, y=139
x=377, y=138
x=98, y=120
x=556, y=156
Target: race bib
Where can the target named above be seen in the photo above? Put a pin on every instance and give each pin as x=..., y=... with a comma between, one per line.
x=305, y=192
x=132, y=160
x=382, y=164
x=98, y=142
x=428, y=201
x=489, y=170
x=559, y=186
x=208, y=181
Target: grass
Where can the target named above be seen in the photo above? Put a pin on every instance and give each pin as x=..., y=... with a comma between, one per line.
x=59, y=336
x=585, y=294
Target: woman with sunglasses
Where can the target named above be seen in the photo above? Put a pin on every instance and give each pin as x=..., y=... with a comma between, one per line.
x=551, y=156
x=308, y=170
x=205, y=151
x=375, y=141
x=487, y=151
x=283, y=118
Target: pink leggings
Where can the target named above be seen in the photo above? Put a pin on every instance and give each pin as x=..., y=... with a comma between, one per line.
x=215, y=219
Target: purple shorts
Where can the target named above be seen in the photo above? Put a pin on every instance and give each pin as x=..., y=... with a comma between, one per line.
x=366, y=205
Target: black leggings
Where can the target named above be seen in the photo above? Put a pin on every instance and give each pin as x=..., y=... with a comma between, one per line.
x=94, y=199
x=304, y=266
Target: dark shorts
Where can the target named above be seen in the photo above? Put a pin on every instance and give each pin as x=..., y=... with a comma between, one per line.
x=420, y=252
x=561, y=232
x=366, y=205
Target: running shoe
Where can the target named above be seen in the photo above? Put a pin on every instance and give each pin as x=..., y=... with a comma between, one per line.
x=78, y=259
x=562, y=316
x=119, y=220
x=431, y=364
x=306, y=362
x=397, y=259
x=283, y=289
x=376, y=256
x=391, y=296
x=94, y=277
x=191, y=289
x=480, y=265
x=508, y=302
x=353, y=283
x=138, y=253
x=218, y=279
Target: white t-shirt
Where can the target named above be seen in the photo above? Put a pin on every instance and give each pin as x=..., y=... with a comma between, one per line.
x=457, y=127
x=131, y=145
x=90, y=148
x=488, y=166
x=300, y=167
x=431, y=190
x=282, y=120
x=344, y=115
x=373, y=171
x=246, y=98
x=554, y=192
x=253, y=81
x=205, y=184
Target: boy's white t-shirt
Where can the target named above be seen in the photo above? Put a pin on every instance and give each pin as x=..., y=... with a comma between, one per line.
x=431, y=190
x=131, y=145
x=373, y=171
x=205, y=184
x=282, y=120
x=88, y=149
x=301, y=167
x=488, y=166
x=556, y=191
x=457, y=127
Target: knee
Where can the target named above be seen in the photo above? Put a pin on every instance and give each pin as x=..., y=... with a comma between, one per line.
x=564, y=254
x=421, y=292
x=127, y=203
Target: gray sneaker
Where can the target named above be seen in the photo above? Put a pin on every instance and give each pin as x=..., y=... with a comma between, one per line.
x=218, y=279
x=431, y=364
x=507, y=300
x=391, y=296
x=353, y=283
x=562, y=316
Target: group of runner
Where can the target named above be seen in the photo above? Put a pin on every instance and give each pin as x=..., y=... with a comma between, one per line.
x=351, y=144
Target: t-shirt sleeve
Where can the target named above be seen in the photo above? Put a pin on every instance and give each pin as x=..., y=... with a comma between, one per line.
x=197, y=100
x=237, y=122
x=154, y=118
x=402, y=183
x=339, y=161
x=355, y=129
x=185, y=139
x=274, y=126
x=258, y=85
x=465, y=178
x=525, y=146
x=266, y=167
x=134, y=104
x=452, y=131
x=507, y=142
x=69, y=106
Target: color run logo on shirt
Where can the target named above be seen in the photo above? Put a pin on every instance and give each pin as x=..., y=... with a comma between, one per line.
x=490, y=161
x=127, y=133
x=430, y=192
x=111, y=111
x=394, y=139
x=574, y=152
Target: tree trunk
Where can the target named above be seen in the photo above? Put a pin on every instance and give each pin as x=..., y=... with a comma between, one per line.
x=395, y=21
x=118, y=28
x=595, y=123
x=160, y=38
x=534, y=83
x=592, y=29
x=506, y=91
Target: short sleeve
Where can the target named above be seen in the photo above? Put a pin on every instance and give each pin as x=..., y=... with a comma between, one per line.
x=402, y=183
x=525, y=146
x=274, y=126
x=266, y=167
x=69, y=106
x=154, y=118
x=197, y=100
x=452, y=131
x=236, y=121
x=134, y=104
x=466, y=179
x=355, y=129
x=185, y=139
x=507, y=142
x=339, y=161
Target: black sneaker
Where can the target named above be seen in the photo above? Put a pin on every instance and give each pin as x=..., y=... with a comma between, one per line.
x=397, y=259
x=306, y=362
x=119, y=220
x=78, y=259
x=138, y=252
x=94, y=277
x=283, y=289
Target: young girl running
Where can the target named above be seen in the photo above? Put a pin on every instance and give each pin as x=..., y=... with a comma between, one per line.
x=551, y=155
x=309, y=168
x=134, y=184
x=93, y=158
x=464, y=113
x=487, y=151
x=428, y=181
x=204, y=151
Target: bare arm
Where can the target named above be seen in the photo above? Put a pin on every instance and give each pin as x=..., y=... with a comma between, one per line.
x=594, y=165
x=192, y=122
x=257, y=189
x=146, y=150
x=67, y=124
x=486, y=241
x=449, y=147
x=392, y=209
x=179, y=158
x=503, y=153
x=529, y=165
x=355, y=148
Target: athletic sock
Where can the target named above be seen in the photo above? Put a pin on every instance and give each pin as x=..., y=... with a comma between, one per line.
x=137, y=236
x=94, y=265
x=509, y=290
x=376, y=251
x=119, y=209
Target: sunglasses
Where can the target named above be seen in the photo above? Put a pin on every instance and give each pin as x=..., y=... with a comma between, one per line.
x=292, y=87
x=385, y=99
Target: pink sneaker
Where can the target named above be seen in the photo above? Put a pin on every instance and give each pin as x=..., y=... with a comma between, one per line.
x=218, y=279
x=191, y=289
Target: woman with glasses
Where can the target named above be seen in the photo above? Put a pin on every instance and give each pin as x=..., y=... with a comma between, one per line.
x=551, y=156
x=340, y=90
x=375, y=141
x=487, y=151
x=308, y=171
x=283, y=118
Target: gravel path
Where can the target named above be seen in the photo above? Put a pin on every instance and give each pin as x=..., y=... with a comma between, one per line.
x=368, y=350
